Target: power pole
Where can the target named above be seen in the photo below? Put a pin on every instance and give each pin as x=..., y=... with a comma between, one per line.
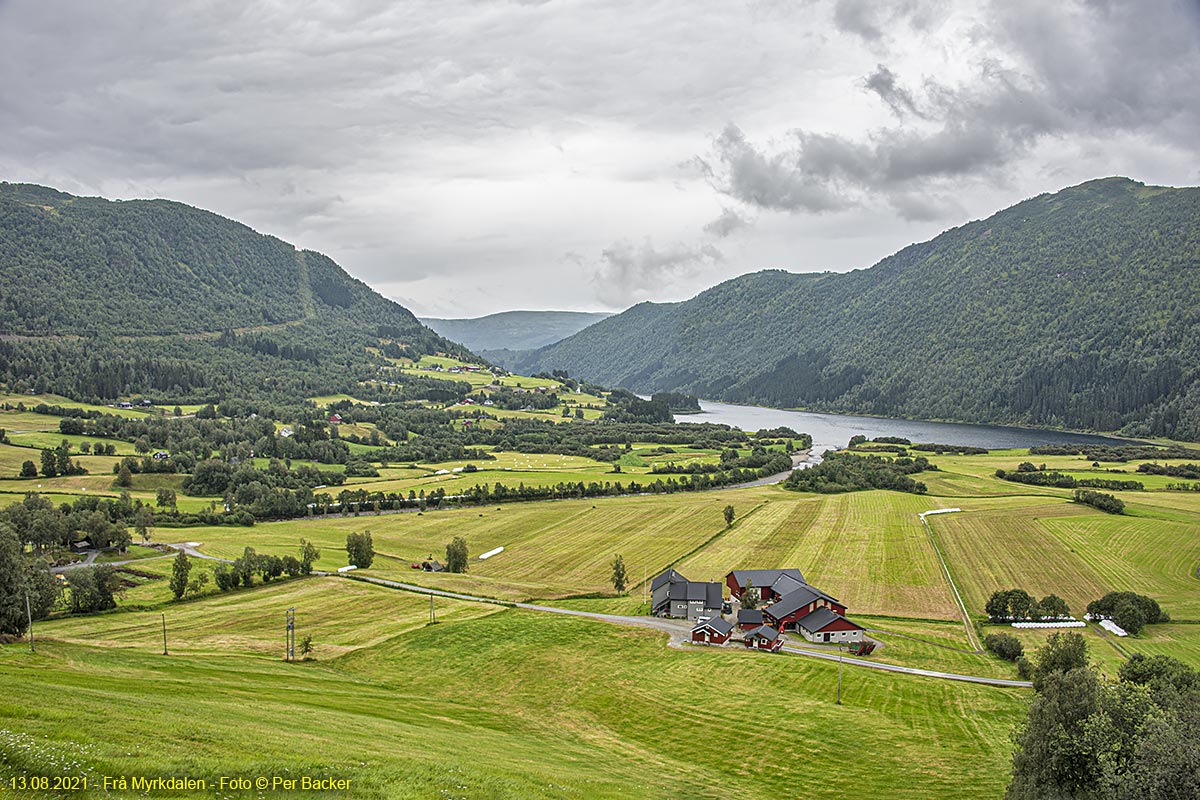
x=290, y=635
x=432, y=614
x=29, y=616
x=164, y=621
x=839, y=700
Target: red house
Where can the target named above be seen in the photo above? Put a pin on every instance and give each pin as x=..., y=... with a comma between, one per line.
x=764, y=637
x=712, y=631
x=335, y=419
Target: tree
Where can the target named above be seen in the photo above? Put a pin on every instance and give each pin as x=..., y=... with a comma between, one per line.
x=728, y=516
x=1062, y=653
x=1004, y=645
x=618, y=574
x=1020, y=603
x=28, y=470
x=307, y=647
x=12, y=584
x=360, y=549
x=750, y=597
x=197, y=583
x=1129, y=616
x=997, y=606
x=49, y=464
x=165, y=498
x=179, y=574
x=309, y=554
x=124, y=476
x=456, y=555
x=1054, y=607
x=225, y=577
x=143, y=518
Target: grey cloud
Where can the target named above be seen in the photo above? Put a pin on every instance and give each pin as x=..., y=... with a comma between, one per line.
x=1063, y=79
x=628, y=273
x=872, y=20
x=728, y=223
x=883, y=83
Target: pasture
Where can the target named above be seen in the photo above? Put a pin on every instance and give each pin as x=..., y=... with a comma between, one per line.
x=489, y=703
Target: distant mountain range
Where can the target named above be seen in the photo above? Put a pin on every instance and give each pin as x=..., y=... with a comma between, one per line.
x=102, y=299
x=514, y=330
x=1077, y=309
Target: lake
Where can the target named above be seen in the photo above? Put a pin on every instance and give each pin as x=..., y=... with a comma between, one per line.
x=835, y=430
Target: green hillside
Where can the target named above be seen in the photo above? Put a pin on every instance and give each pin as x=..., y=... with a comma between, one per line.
x=1077, y=309
x=103, y=299
x=514, y=330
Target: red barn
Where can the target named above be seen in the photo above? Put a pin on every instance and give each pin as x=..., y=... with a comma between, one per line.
x=824, y=625
x=785, y=612
x=771, y=583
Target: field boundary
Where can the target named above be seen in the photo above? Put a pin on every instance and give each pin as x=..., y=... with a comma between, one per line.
x=962, y=607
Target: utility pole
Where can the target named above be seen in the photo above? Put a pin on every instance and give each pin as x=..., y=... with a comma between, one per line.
x=29, y=616
x=839, y=700
x=432, y=614
x=290, y=635
x=644, y=584
x=164, y=621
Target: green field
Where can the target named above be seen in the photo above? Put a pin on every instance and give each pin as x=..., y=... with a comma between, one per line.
x=489, y=703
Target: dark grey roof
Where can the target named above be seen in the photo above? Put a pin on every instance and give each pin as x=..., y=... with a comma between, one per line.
x=670, y=576
x=818, y=619
x=709, y=593
x=790, y=602
x=749, y=616
x=764, y=577
x=786, y=583
x=718, y=624
x=763, y=632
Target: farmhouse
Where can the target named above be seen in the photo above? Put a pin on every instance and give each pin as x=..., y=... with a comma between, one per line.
x=673, y=595
x=335, y=419
x=714, y=630
x=764, y=637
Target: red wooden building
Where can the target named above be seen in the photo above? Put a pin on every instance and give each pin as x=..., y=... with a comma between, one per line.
x=712, y=631
x=764, y=637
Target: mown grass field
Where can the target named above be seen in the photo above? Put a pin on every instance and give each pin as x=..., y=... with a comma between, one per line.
x=495, y=704
x=867, y=549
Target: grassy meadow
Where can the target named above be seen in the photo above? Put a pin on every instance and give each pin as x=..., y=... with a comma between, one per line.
x=488, y=703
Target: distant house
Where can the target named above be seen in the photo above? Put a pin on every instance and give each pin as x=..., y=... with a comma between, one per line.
x=161, y=455
x=764, y=637
x=488, y=403
x=714, y=630
x=335, y=419
x=81, y=545
x=146, y=403
x=749, y=619
x=431, y=566
x=286, y=432
x=673, y=595
x=124, y=404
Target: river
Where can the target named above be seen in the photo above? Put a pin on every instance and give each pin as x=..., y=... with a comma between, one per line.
x=835, y=430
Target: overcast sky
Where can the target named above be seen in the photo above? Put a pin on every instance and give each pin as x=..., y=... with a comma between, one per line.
x=471, y=157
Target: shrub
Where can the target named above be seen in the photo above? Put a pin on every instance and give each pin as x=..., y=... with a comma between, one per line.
x=1005, y=645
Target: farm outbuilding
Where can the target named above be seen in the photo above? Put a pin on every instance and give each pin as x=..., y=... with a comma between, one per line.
x=764, y=637
x=770, y=583
x=824, y=625
x=749, y=618
x=712, y=631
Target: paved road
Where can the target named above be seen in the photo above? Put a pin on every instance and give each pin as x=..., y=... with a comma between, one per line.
x=677, y=627
x=187, y=547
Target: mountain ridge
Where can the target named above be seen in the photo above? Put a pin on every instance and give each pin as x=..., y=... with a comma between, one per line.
x=1072, y=309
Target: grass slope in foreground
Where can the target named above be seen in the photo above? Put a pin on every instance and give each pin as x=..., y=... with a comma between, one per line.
x=512, y=704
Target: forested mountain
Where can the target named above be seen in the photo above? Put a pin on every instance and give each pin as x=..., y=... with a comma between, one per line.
x=103, y=299
x=1078, y=309
x=514, y=330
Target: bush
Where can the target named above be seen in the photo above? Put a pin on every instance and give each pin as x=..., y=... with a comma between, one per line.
x=1129, y=616
x=1005, y=645
x=1100, y=500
